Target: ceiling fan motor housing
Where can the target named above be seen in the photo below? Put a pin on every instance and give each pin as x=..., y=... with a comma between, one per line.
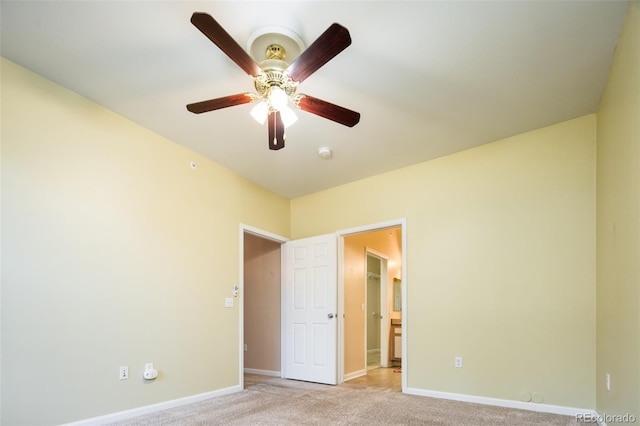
x=273, y=74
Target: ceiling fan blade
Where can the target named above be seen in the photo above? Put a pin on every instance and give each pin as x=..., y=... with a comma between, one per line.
x=276, y=131
x=327, y=110
x=334, y=40
x=214, y=32
x=219, y=103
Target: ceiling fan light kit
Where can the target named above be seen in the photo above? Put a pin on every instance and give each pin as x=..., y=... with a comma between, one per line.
x=275, y=80
x=260, y=111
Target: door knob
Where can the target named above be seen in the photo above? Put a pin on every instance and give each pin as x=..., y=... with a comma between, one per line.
x=330, y=316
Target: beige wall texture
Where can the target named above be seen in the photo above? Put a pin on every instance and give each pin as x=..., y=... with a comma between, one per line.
x=387, y=242
x=114, y=252
x=262, y=296
x=500, y=262
x=618, y=231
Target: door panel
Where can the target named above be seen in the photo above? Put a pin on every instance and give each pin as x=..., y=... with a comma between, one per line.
x=310, y=304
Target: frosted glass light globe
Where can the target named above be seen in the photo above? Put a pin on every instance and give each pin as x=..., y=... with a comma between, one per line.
x=278, y=98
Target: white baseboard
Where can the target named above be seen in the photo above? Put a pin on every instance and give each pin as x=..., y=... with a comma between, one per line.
x=355, y=374
x=507, y=403
x=127, y=414
x=543, y=408
x=262, y=372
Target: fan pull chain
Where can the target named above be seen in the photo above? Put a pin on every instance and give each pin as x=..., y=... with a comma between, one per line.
x=275, y=134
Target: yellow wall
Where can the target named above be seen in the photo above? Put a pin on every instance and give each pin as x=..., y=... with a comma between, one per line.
x=618, y=229
x=115, y=252
x=500, y=258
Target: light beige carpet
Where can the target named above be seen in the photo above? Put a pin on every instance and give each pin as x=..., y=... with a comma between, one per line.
x=274, y=401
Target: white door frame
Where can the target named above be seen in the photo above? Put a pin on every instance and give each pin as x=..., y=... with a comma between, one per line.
x=384, y=312
x=402, y=223
x=269, y=236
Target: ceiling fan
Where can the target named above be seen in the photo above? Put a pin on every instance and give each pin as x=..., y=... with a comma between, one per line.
x=276, y=81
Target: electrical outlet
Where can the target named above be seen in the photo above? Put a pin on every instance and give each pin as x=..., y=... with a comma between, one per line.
x=228, y=302
x=458, y=362
x=124, y=372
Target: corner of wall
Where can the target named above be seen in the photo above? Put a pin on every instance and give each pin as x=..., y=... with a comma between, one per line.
x=618, y=229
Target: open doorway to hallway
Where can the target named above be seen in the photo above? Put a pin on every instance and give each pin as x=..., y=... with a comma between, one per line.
x=262, y=281
x=372, y=263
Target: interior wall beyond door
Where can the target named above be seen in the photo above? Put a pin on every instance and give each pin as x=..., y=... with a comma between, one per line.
x=262, y=295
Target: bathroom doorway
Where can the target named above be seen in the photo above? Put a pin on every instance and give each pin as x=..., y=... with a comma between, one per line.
x=372, y=260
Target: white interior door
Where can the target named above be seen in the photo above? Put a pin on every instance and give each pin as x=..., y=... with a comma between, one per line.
x=310, y=309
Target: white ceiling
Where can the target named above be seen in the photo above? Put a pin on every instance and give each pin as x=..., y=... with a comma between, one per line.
x=429, y=78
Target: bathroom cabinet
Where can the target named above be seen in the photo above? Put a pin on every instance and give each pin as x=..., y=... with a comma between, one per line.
x=395, y=341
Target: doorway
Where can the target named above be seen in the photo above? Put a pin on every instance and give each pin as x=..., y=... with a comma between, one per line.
x=260, y=303
x=371, y=261
x=288, y=306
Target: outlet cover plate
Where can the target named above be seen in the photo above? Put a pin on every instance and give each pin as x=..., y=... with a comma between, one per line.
x=124, y=372
x=458, y=362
